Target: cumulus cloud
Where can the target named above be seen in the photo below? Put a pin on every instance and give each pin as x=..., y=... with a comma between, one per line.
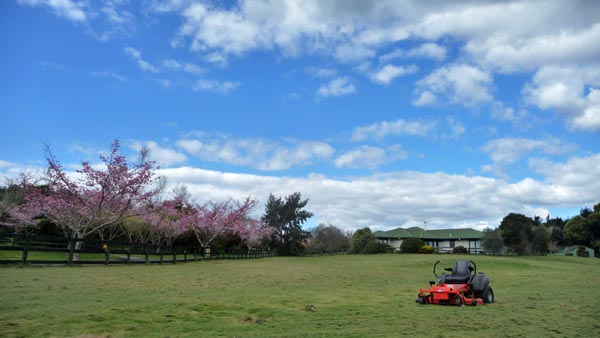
x=569, y=90
x=399, y=127
x=370, y=157
x=405, y=198
x=456, y=83
x=256, y=153
x=66, y=8
x=337, y=87
x=163, y=156
x=389, y=72
x=509, y=150
x=427, y=50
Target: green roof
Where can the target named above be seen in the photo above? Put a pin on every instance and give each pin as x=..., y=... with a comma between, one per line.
x=430, y=234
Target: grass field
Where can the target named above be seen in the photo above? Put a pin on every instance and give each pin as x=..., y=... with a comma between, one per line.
x=329, y=296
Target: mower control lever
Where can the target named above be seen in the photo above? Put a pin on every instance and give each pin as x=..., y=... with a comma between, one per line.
x=435, y=274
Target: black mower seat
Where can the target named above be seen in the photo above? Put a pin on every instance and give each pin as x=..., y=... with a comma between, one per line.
x=460, y=274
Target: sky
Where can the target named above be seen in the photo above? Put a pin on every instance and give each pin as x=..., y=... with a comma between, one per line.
x=444, y=114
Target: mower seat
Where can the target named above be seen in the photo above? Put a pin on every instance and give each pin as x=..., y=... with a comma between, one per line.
x=460, y=274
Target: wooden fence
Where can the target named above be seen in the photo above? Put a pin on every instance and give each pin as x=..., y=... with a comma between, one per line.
x=59, y=250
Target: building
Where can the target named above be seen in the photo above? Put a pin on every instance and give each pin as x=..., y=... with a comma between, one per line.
x=572, y=251
x=442, y=240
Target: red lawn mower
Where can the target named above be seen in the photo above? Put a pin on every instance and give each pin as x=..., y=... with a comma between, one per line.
x=464, y=286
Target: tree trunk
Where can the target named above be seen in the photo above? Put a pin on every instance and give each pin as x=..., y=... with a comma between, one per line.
x=75, y=244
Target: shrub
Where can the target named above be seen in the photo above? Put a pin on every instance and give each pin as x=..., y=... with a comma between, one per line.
x=427, y=249
x=581, y=252
x=411, y=245
x=460, y=250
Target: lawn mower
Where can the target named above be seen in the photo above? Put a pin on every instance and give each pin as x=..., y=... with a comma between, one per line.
x=464, y=286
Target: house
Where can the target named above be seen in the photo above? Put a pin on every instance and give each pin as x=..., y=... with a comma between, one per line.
x=442, y=240
x=572, y=251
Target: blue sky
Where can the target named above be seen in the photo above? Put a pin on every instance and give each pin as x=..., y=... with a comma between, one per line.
x=383, y=114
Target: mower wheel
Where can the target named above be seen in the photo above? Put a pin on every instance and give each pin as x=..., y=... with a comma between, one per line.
x=488, y=295
x=458, y=301
x=421, y=300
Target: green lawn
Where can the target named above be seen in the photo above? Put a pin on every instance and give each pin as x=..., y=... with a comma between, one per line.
x=330, y=296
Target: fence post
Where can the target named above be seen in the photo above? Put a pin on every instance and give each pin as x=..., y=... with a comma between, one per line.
x=25, y=249
x=129, y=253
x=146, y=252
x=106, y=248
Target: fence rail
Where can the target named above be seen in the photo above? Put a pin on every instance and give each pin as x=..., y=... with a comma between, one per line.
x=59, y=250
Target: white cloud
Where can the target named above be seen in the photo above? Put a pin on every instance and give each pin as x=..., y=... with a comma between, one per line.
x=399, y=127
x=404, y=198
x=427, y=50
x=502, y=113
x=321, y=72
x=509, y=150
x=362, y=157
x=389, y=72
x=137, y=56
x=337, y=87
x=187, y=67
x=256, y=153
x=292, y=27
x=215, y=86
x=564, y=89
x=456, y=83
x=65, y=8
x=576, y=179
x=370, y=157
x=163, y=156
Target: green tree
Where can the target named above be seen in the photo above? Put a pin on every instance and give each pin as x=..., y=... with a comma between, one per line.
x=329, y=238
x=541, y=239
x=517, y=232
x=577, y=231
x=286, y=217
x=411, y=245
x=556, y=225
x=364, y=241
x=492, y=241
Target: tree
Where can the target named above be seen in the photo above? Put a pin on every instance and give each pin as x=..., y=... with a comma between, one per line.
x=329, y=238
x=555, y=226
x=257, y=235
x=577, y=231
x=213, y=219
x=365, y=242
x=584, y=229
x=492, y=241
x=91, y=199
x=541, y=239
x=517, y=232
x=286, y=219
x=411, y=245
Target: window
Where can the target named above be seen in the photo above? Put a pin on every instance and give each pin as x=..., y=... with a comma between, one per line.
x=452, y=243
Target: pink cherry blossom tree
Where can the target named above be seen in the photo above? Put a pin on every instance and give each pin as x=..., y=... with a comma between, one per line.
x=257, y=234
x=94, y=197
x=168, y=220
x=214, y=219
